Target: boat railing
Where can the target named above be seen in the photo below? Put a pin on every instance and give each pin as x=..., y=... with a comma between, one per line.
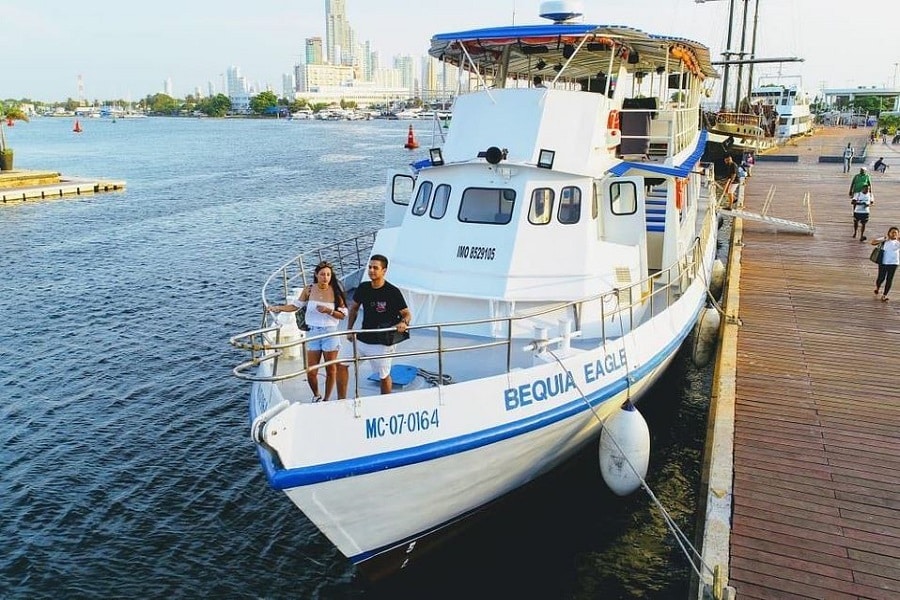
x=346, y=257
x=734, y=118
x=625, y=307
x=675, y=128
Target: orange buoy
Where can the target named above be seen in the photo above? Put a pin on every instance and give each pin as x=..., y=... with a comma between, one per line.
x=77, y=128
x=411, y=140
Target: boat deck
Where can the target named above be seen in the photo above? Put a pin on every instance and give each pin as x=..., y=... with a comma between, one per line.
x=813, y=372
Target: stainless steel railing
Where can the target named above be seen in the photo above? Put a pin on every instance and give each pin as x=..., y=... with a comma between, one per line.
x=665, y=287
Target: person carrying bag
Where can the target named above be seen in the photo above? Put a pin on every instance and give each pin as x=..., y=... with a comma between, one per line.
x=888, y=258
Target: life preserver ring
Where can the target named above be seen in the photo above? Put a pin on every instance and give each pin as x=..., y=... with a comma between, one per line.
x=612, y=121
x=680, y=189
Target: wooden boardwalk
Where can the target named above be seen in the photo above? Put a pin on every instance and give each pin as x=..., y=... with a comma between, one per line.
x=21, y=185
x=816, y=474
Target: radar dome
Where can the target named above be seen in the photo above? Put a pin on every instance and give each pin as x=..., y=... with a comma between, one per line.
x=562, y=11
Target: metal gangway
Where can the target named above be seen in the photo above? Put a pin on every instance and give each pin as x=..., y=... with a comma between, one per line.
x=764, y=216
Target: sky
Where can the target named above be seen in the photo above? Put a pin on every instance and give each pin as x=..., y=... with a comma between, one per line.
x=126, y=49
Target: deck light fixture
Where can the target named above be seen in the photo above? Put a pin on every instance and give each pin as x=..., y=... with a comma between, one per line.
x=545, y=158
x=437, y=157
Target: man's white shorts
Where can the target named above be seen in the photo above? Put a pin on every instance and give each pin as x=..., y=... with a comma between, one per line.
x=382, y=366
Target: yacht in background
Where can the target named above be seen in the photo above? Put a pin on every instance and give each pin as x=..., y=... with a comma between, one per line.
x=790, y=102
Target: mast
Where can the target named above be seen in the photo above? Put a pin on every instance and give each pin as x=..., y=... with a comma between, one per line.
x=727, y=55
x=739, y=91
x=753, y=47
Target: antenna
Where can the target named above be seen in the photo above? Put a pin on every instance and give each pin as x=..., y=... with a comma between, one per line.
x=562, y=11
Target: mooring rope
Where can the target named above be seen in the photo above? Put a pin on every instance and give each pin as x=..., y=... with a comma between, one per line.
x=690, y=552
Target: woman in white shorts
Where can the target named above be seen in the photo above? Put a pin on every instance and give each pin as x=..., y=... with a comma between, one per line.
x=326, y=305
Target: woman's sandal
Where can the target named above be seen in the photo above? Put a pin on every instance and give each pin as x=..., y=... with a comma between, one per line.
x=884, y=298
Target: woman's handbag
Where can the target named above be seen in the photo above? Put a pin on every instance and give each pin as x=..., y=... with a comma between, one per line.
x=301, y=319
x=877, y=253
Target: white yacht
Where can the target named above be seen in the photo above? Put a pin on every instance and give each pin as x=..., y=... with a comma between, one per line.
x=555, y=252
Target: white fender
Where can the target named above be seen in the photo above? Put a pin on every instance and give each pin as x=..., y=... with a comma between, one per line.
x=717, y=279
x=624, y=450
x=288, y=333
x=706, y=335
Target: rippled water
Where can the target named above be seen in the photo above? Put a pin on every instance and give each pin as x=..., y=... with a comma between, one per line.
x=127, y=468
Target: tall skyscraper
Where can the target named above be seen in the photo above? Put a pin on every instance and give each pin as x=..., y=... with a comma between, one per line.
x=337, y=33
x=314, y=54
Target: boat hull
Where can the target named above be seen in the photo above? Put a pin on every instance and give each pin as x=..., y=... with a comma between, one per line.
x=377, y=504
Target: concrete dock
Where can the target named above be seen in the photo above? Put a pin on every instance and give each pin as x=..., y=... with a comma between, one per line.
x=802, y=468
x=21, y=185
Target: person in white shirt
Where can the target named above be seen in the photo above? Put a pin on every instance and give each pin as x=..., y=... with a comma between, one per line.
x=326, y=305
x=889, y=261
x=862, y=202
x=848, y=158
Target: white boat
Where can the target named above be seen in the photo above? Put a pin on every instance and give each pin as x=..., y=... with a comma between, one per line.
x=555, y=252
x=790, y=102
x=407, y=114
x=302, y=114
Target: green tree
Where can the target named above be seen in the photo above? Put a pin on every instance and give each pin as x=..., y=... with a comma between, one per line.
x=163, y=104
x=217, y=106
x=263, y=101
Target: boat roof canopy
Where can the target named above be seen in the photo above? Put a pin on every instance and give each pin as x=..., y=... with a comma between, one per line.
x=556, y=44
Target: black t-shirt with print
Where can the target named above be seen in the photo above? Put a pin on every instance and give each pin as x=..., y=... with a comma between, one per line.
x=381, y=308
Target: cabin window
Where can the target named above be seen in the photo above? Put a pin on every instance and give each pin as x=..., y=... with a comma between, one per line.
x=401, y=189
x=569, y=205
x=623, y=198
x=441, y=198
x=541, y=206
x=422, y=198
x=487, y=205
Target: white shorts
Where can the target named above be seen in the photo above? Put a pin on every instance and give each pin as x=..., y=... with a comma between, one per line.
x=382, y=366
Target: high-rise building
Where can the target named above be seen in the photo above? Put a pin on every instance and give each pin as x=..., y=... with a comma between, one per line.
x=337, y=33
x=167, y=87
x=314, y=55
x=288, y=85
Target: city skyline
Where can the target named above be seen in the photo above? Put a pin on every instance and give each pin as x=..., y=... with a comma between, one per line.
x=130, y=52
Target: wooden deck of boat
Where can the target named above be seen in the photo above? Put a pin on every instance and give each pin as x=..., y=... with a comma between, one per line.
x=816, y=363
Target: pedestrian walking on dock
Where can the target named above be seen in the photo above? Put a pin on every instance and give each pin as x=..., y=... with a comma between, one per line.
x=848, y=158
x=890, y=258
x=862, y=202
x=748, y=162
x=730, y=180
x=859, y=181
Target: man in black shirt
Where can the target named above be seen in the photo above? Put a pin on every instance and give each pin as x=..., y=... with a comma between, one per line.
x=383, y=306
